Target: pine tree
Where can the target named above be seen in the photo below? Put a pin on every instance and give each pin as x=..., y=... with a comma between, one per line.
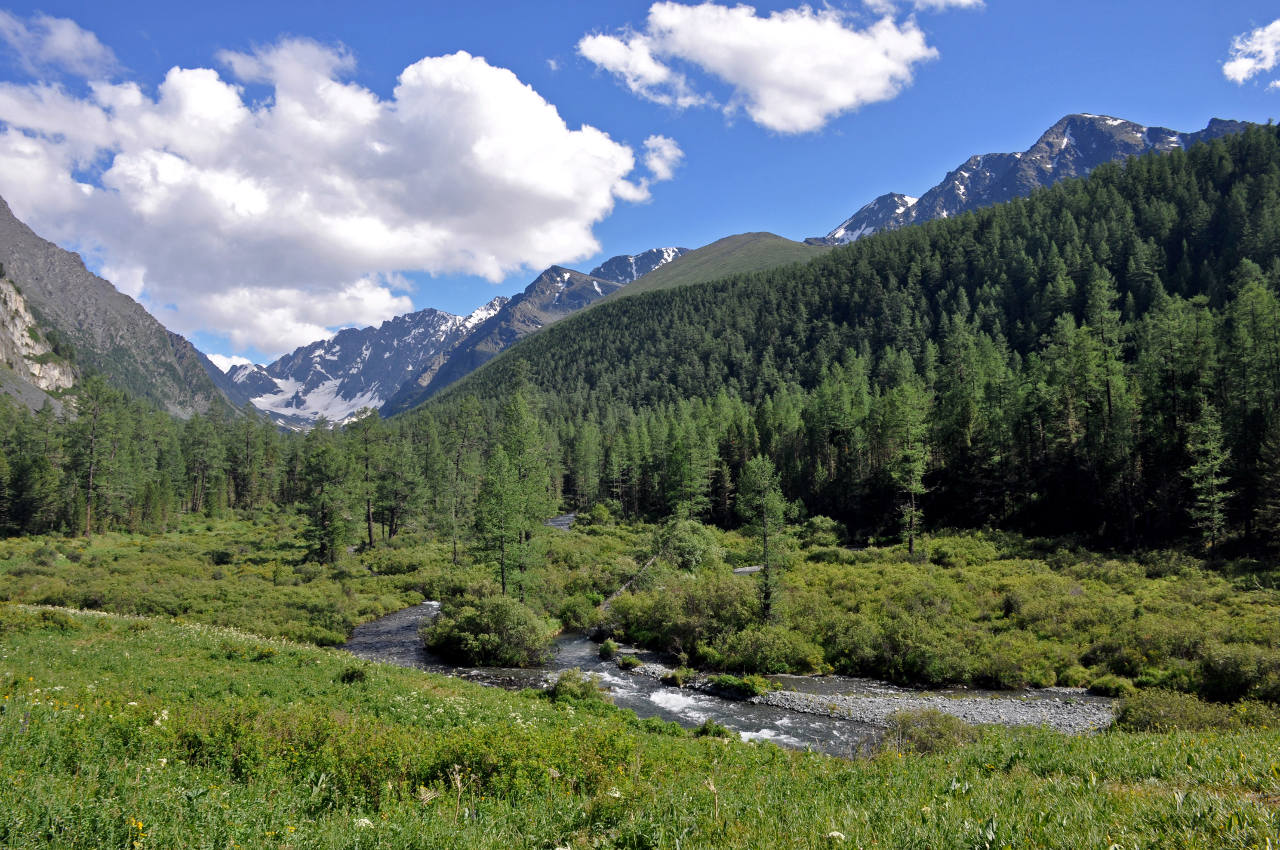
x=1208, y=483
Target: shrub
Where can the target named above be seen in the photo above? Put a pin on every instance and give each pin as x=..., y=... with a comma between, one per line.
x=926, y=730
x=494, y=631
x=768, y=649
x=687, y=544
x=1166, y=711
x=628, y=662
x=352, y=675
x=578, y=613
x=679, y=677
x=969, y=551
x=712, y=729
x=743, y=688
x=574, y=686
x=608, y=649
x=822, y=531
x=1112, y=685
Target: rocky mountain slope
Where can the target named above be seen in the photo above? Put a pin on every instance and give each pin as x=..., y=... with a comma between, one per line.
x=357, y=368
x=556, y=293
x=408, y=358
x=1073, y=147
x=107, y=331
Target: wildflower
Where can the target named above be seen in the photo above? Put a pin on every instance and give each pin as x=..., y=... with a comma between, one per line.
x=835, y=836
x=364, y=823
x=614, y=793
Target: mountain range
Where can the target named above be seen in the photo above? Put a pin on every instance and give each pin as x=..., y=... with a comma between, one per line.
x=60, y=321
x=405, y=360
x=1072, y=147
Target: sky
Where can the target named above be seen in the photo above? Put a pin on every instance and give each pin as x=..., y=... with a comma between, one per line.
x=259, y=175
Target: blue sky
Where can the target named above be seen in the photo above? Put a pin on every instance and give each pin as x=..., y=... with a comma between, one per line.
x=199, y=192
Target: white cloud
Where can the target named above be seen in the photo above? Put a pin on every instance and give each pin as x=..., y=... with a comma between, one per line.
x=938, y=5
x=225, y=363
x=272, y=222
x=1254, y=53
x=792, y=71
x=42, y=42
x=661, y=156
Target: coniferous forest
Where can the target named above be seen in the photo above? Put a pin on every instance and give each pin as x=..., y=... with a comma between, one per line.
x=1100, y=360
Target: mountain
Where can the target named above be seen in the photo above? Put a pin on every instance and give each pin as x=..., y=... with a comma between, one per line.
x=739, y=254
x=556, y=293
x=356, y=368
x=407, y=358
x=629, y=268
x=85, y=324
x=1073, y=147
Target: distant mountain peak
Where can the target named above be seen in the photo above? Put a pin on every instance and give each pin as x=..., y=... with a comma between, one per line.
x=1075, y=145
x=628, y=268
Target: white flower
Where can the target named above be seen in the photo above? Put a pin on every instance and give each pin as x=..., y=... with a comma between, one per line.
x=364, y=823
x=835, y=836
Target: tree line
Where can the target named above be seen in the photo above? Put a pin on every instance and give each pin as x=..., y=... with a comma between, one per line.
x=1101, y=359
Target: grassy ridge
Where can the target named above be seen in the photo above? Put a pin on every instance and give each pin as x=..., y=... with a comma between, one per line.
x=135, y=733
x=732, y=255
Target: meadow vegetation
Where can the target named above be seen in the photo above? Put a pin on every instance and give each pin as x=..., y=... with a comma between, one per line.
x=133, y=732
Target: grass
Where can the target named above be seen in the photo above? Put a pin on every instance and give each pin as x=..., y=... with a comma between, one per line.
x=131, y=732
x=740, y=254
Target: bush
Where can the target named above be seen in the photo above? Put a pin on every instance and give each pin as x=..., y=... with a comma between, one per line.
x=608, y=649
x=628, y=662
x=1112, y=685
x=578, y=613
x=494, y=631
x=687, y=544
x=822, y=531
x=574, y=686
x=1167, y=711
x=679, y=677
x=768, y=649
x=926, y=730
x=743, y=688
x=970, y=551
x=712, y=729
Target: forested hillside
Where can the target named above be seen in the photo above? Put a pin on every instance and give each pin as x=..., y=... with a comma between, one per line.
x=1102, y=358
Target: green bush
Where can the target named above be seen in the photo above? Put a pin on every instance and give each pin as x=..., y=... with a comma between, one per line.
x=1167, y=711
x=969, y=551
x=1112, y=685
x=822, y=531
x=679, y=677
x=926, y=730
x=578, y=613
x=767, y=649
x=628, y=662
x=711, y=729
x=574, y=686
x=608, y=649
x=687, y=544
x=494, y=631
x=743, y=688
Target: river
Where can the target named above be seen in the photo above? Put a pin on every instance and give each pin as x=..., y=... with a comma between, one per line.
x=838, y=715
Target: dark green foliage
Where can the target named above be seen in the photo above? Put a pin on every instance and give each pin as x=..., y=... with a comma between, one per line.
x=736, y=687
x=493, y=631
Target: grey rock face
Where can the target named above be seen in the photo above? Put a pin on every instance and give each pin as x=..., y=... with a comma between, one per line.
x=1073, y=147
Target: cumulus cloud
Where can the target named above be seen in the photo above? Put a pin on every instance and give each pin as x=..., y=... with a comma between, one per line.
x=225, y=363
x=792, y=71
x=661, y=156
x=274, y=221
x=1254, y=53
x=43, y=42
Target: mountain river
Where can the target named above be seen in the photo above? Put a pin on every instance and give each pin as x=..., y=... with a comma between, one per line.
x=837, y=715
